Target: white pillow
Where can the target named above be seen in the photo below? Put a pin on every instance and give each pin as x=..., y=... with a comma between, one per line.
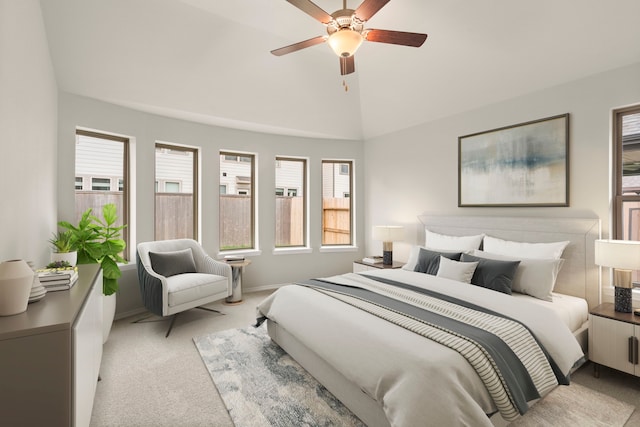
x=456, y=270
x=442, y=242
x=523, y=249
x=534, y=277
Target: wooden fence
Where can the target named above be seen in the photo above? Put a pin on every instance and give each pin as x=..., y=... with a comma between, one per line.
x=336, y=221
x=174, y=217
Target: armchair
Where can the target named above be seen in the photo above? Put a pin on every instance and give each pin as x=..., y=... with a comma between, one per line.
x=178, y=275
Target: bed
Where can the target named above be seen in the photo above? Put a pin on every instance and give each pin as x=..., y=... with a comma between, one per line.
x=391, y=375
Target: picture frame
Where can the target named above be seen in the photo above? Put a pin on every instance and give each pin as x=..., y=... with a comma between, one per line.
x=526, y=164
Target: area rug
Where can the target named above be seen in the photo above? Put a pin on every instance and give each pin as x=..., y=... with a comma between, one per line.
x=262, y=386
x=576, y=405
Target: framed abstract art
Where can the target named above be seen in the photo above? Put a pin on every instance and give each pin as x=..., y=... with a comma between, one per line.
x=521, y=165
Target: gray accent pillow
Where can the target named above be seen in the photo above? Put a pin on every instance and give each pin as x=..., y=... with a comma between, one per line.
x=493, y=274
x=169, y=264
x=429, y=261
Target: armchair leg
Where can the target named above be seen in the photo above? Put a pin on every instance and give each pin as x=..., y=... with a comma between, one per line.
x=211, y=310
x=173, y=320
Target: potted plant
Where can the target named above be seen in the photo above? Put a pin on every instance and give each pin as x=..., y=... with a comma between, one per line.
x=98, y=241
x=63, y=246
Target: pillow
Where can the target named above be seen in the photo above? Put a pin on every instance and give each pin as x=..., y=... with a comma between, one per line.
x=452, y=243
x=493, y=274
x=455, y=270
x=522, y=249
x=169, y=264
x=534, y=277
x=414, y=255
x=429, y=261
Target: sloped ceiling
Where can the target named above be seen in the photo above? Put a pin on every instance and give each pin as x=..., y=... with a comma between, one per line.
x=209, y=61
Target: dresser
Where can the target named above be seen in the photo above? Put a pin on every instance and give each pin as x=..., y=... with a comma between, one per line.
x=50, y=356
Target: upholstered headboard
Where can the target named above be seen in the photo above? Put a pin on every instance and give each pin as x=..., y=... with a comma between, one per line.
x=579, y=274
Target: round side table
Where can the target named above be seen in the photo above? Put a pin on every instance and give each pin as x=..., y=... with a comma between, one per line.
x=236, y=281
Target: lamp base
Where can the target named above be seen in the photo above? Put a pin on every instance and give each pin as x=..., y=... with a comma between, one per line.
x=622, y=300
x=387, y=257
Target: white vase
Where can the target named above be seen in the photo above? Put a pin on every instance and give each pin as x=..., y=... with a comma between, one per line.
x=108, y=314
x=16, y=280
x=70, y=257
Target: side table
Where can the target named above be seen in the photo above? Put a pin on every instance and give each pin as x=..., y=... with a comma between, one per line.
x=236, y=281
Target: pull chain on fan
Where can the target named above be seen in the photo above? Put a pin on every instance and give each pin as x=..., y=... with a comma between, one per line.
x=346, y=32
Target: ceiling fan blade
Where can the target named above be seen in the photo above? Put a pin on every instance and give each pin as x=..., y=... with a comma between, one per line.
x=312, y=10
x=396, y=37
x=297, y=46
x=347, y=65
x=368, y=8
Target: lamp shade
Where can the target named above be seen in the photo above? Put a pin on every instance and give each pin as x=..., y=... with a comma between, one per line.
x=345, y=42
x=388, y=233
x=620, y=254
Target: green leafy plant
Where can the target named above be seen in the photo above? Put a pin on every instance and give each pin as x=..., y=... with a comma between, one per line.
x=98, y=241
x=62, y=242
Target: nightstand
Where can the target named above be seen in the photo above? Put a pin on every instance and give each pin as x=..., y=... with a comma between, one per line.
x=364, y=266
x=613, y=339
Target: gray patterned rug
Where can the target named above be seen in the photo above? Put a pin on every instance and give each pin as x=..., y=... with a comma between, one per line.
x=262, y=386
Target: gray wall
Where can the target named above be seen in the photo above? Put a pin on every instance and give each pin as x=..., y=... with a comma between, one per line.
x=420, y=173
x=266, y=269
x=28, y=123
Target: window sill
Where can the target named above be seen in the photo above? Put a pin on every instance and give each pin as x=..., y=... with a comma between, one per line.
x=338, y=248
x=288, y=251
x=245, y=252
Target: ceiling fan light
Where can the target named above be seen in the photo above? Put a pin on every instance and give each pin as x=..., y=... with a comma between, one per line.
x=345, y=42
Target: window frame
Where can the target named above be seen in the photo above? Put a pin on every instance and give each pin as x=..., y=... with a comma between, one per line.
x=352, y=218
x=125, y=215
x=619, y=198
x=252, y=194
x=305, y=199
x=160, y=184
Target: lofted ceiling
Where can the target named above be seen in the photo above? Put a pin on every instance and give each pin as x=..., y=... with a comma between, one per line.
x=209, y=61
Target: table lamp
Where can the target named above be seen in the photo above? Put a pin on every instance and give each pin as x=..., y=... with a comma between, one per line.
x=624, y=257
x=388, y=234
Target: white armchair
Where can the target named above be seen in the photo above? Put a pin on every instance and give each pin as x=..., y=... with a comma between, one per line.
x=178, y=275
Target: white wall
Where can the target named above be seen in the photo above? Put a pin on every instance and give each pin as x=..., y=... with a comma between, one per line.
x=28, y=123
x=267, y=268
x=416, y=170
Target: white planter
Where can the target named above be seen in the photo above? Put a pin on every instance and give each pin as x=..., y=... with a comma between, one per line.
x=16, y=280
x=108, y=314
x=70, y=257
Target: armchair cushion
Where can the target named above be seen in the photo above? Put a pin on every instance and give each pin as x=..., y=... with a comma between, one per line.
x=184, y=288
x=169, y=264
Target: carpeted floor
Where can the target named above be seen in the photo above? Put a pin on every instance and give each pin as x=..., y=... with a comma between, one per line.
x=262, y=386
x=150, y=380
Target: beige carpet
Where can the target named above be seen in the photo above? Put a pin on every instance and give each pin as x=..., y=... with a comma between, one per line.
x=576, y=405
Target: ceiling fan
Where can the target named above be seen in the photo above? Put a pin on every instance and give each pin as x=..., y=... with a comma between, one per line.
x=346, y=32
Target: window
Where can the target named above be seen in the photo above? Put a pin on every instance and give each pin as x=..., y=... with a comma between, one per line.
x=237, y=203
x=176, y=201
x=100, y=184
x=626, y=176
x=102, y=161
x=337, y=209
x=291, y=210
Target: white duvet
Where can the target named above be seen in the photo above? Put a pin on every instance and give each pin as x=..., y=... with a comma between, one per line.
x=416, y=381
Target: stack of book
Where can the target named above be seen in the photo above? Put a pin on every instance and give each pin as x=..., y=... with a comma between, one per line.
x=234, y=258
x=58, y=279
x=372, y=259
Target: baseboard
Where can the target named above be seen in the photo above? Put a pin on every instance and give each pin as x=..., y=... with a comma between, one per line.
x=263, y=288
x=129, y=313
